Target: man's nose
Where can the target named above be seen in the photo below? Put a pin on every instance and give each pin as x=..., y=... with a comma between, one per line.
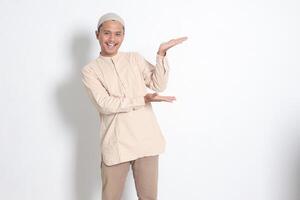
x=111, y=38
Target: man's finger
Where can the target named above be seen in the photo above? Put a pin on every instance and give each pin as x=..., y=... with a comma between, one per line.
x=181, y=39
x=178, y=40
x=166, y=98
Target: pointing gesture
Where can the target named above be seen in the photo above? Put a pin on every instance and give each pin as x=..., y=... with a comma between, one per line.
x=167, y=45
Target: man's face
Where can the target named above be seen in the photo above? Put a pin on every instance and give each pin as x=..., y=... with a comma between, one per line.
x=110, y=36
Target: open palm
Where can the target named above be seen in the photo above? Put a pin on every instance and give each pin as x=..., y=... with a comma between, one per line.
x=155, y=97
x=164, y=47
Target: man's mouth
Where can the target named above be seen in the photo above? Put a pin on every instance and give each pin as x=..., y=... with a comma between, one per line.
x=111, y=45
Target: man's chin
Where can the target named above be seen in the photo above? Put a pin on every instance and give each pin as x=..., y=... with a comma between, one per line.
x=110, y=52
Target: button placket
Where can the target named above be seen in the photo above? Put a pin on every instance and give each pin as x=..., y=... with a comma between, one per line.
x=123, y=88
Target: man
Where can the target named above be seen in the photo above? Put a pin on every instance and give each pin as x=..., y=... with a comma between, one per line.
x=117, y=84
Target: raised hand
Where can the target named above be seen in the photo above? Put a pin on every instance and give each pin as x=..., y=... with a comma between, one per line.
x=167, y=45
x=158, y=98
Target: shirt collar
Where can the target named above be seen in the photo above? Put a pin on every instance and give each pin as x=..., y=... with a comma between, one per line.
x=114, y=57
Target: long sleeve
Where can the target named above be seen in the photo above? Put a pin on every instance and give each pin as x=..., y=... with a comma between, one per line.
x=155, y=76
x=105, y=103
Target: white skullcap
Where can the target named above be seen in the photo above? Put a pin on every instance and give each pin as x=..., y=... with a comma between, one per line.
x=108, y=17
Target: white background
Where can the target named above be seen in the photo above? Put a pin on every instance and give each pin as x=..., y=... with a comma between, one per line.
x=233, y=134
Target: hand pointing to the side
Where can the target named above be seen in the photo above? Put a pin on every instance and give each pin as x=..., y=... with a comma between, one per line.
x=164, y=47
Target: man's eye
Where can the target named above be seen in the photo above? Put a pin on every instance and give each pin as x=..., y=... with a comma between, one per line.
x=118, y=34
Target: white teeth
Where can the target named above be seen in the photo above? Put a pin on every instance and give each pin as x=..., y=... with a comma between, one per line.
x=110, y=44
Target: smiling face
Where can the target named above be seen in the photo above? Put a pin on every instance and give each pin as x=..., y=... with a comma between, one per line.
x=110, y=36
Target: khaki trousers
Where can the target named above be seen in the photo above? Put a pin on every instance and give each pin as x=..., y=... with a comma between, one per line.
x=145, y=174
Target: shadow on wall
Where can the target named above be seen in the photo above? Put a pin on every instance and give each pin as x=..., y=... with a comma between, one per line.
x=287, y=157
x=294, y=165
x=82, y=119
x=296, y=191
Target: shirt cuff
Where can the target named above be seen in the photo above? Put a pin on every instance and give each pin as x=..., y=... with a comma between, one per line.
x=136, y=103
x=162, y=61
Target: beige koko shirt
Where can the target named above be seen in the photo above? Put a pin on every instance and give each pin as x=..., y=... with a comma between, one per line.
x=117, y=86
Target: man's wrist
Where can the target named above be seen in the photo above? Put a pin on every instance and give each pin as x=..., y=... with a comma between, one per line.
x=162, y=53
